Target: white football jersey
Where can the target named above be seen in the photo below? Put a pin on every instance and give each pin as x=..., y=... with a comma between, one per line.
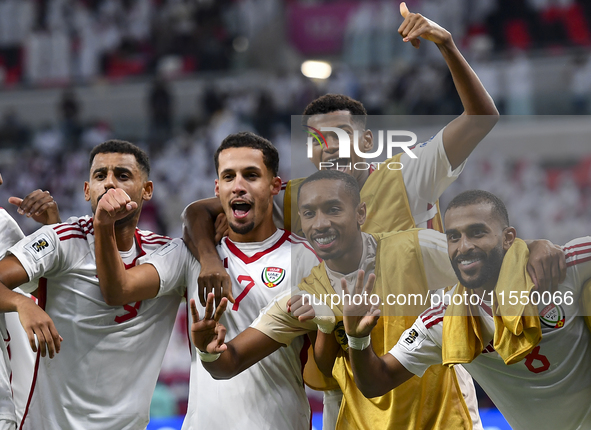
x=10, y=233
x=270, y=394
x=551, y=387
x=106, y=371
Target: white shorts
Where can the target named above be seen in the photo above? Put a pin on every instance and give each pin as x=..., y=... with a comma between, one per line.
x=332, y=404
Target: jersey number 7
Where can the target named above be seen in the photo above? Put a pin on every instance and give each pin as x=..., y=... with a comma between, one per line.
x=243, y=278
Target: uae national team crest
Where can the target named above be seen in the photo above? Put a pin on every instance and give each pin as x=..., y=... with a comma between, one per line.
x=272, y=276
x=552, y=316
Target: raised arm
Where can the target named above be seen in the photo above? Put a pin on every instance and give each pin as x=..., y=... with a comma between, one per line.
x=119, y=286
x=199, y=234
x=33, y=319
x=461, y=135
x=374, y=376
x=226, y=360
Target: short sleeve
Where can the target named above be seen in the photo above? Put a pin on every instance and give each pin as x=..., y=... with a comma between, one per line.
x=40, y=254
x=578, y=258
x=416, y=350
x=173, y=262
x=10, y=232
x=427, y=176
x=278, y=324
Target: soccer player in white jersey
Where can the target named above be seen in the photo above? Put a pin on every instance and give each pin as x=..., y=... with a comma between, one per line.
x=263, y=261
x=16, y=373
x=106, y=371
x=551, y=386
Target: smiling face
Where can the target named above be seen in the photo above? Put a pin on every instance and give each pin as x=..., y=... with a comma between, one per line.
x=331, y=222
x=477, y=242
x=117, y=170
x=246, y=188
x=329, y=152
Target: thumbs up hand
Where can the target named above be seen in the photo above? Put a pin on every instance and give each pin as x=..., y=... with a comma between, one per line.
x=415, y=25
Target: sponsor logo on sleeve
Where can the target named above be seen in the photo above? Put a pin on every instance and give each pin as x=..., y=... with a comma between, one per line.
x=412, y=340
x=167, y=249
x=40, y=246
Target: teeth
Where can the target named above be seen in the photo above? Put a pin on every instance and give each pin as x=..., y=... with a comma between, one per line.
x=325, y=240
x=466, y=262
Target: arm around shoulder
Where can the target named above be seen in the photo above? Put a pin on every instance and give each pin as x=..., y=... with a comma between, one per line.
x=199, y=231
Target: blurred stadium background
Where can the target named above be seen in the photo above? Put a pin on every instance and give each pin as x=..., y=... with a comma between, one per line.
x=177, y=76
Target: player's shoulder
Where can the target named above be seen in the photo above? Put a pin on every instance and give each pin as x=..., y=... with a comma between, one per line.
x=150, y=240
x=70, y=240
x=73, y=228
x=577, y=251
x=431, y=319
x=300, y=245
x=398, y=237
x=432, y=238
x=429, y=146
x=7, y=221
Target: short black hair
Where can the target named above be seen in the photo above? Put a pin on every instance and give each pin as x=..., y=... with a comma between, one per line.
x=334, y=102
x=246, y=139
x=351, y=185
x=472, y=197
x=122, y=147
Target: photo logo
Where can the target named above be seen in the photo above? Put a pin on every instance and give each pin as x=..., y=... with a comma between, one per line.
x=345, y=145
x=315, y=136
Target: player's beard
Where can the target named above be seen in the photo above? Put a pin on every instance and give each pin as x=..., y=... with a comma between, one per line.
x=127, y=219
x=243, y=228
x=491, y=267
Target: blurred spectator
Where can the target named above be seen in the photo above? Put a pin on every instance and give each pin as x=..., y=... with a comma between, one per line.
x=69, y=109
x=265, y=115
x=519, y=84
x=48, y=140
x=487, y=70
x=16, y=22
x=160, y=109
x=95, y=134
x=13, y=133
x=580, y=84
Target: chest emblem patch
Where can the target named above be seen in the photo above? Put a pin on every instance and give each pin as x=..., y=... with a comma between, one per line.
x=552, y=316
x=272, y=276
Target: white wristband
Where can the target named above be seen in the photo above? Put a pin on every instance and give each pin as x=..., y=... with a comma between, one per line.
x=207, y=357
x=359, y=343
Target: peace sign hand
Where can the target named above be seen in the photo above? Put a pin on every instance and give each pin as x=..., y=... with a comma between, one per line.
x=208, y=334
x=359, y=319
